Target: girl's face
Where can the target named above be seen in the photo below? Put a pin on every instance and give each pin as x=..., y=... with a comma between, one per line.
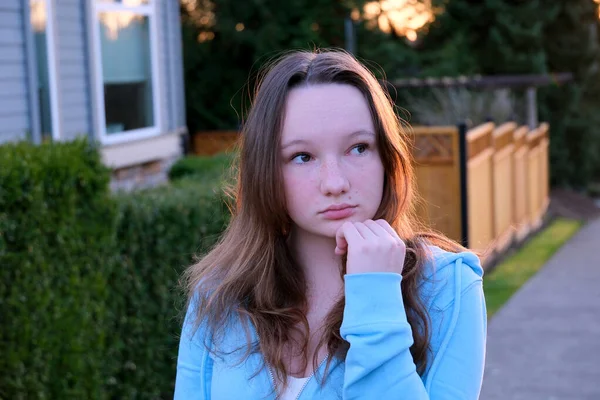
x=332, y=171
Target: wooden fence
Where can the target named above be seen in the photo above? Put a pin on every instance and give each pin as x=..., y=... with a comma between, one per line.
x=209, y=143
x=436, y=152
x=486, y=187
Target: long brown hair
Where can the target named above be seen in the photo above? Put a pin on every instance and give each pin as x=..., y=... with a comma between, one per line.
x=250, y=273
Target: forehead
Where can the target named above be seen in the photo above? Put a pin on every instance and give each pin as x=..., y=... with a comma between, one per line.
x=321, y=111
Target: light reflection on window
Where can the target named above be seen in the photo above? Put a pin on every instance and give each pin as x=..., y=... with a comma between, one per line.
x=38, y=15
x=38, y=18
x=127, y=71
x=115, y=22
x=130, y=3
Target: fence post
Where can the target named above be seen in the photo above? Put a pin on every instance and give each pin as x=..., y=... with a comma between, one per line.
x=532, y=111
x=464, y=197
x=349, y=33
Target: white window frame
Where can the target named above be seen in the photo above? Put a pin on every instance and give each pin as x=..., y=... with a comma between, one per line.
x=146, y=10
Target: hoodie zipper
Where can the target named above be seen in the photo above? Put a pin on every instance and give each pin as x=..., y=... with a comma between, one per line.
x=305, y=382
x=310, y=377
x=272, y=378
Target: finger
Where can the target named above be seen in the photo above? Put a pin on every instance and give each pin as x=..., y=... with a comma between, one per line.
x=340, y=242
x=365, y=231
x=346, y=234
x=385, y=225
x=341, y=247
x=379, y=230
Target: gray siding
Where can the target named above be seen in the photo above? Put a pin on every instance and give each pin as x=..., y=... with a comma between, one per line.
x=73, y=75
x=14, y=101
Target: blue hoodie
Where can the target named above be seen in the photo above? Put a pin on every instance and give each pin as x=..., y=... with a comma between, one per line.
x=378, y=364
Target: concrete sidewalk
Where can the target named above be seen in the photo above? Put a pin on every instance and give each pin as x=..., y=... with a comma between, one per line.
x=544, y=344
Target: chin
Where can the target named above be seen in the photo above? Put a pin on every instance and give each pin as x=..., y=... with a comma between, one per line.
x=330, y=228
x=327, y=230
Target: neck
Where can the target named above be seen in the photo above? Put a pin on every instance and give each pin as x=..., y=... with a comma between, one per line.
x=315, y=255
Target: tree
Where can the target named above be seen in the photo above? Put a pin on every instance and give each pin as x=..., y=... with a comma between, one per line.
x=227, y=41
x=489, y=36
x=523, y=37
x=571, y=44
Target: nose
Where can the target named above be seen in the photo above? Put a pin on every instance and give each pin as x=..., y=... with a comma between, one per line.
x=333, y=179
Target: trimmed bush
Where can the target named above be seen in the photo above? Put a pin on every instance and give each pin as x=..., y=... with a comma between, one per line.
x=90, y=301
x=159, y=232
x=57, y=224
x=203, y=168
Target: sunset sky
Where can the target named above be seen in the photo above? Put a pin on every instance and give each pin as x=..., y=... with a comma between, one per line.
x=404, y=17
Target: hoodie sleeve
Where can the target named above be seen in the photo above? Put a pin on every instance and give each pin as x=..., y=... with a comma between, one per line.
x=379, y=363
x=194, y=365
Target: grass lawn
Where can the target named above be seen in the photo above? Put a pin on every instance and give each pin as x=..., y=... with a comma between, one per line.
x=508, y=276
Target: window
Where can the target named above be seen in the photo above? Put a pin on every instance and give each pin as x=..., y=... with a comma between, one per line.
x=126, y=70
x=40, y=13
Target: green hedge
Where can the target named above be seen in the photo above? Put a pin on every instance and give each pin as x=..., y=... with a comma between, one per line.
x=56, y=241
x=203, y=168
x=158, y=233
x=89, y=293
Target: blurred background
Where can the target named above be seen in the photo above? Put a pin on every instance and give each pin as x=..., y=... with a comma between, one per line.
x=118, y=125
x=401, y=39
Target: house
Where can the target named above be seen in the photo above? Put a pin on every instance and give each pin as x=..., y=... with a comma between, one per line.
x=108, y=69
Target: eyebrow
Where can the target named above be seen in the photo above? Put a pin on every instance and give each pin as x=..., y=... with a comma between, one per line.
x=361, y=132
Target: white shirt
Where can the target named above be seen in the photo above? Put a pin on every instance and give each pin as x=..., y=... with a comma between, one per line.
x=293, y=388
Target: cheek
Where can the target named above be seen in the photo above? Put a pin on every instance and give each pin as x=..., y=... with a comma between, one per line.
x=369, y=181
x=296, y=192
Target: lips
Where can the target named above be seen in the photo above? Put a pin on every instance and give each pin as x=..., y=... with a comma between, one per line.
x=338, y=211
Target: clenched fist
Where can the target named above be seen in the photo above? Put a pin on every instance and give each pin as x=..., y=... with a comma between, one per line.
x=372, y=246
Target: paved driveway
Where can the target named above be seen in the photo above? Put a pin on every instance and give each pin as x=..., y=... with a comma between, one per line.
x=544, y=344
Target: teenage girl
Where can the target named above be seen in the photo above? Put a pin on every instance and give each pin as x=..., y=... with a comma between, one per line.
x=324, y=286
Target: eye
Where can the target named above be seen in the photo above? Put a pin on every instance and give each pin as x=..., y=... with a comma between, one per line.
x=359, y=148
x=301, y=158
